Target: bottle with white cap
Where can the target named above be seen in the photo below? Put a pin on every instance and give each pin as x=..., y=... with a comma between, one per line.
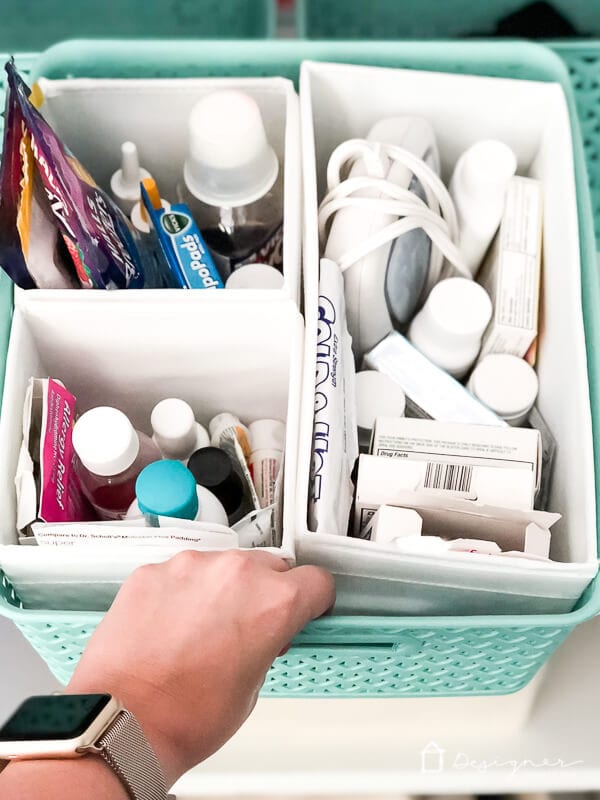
x=232, y=181
x=507, y=384
x=377, y=395
x=478, y=187
x=267, y=440
x=449, y=327
x=255, y=276
x=110, y=456
x=175, y=430
x=125, y=182
x=168, y=489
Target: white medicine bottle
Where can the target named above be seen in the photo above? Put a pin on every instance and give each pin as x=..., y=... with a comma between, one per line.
x=175, y=430
x=110, y=456
x=232, y=181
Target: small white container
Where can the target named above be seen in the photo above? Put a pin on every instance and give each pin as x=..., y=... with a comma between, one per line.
x=267, y=439
x=478, y=187
x=507, y=384
x=449, y=327
x=377, y=395
x=175, y=430
x=255, y=276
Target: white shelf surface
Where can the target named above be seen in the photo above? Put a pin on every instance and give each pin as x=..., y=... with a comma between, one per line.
x=363, y=746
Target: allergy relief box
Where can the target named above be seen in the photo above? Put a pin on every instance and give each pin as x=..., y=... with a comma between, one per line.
x=511, y=272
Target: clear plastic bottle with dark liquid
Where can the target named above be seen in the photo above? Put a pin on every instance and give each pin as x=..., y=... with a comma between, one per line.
x=232, y=182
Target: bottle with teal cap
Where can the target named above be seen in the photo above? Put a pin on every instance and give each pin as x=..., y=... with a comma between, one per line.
x=168, y=489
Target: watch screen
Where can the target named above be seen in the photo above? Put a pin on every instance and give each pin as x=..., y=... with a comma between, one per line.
x=53, y=717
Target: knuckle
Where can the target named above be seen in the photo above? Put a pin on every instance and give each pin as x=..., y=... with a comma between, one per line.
x=236, y=561
x=185, y=561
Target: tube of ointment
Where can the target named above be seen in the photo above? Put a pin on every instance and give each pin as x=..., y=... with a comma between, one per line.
x=184, y=248
x=335, y=436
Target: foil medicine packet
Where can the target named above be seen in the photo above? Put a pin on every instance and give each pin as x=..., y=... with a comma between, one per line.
x=42, y=183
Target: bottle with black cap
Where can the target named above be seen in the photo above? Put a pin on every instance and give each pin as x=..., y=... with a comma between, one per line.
x=213, y=469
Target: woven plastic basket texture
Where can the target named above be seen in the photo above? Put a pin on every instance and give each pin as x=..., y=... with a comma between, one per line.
x=53, y=21
x=360, y=656
x=434, y=19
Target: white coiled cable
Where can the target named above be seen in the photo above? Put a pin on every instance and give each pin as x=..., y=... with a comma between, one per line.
x=436, y=217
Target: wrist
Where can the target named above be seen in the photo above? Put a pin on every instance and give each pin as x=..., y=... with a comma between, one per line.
x=142, y=703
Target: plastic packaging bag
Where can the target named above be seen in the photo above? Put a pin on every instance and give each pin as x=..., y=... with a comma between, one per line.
x=105, y=249
x=335, y=444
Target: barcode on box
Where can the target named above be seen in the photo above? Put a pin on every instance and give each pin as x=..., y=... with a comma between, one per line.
x=448, y=477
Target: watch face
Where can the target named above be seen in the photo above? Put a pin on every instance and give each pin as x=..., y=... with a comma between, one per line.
x=53, y=717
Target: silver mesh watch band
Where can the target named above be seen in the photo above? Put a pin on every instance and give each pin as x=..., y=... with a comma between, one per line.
x=129, y=754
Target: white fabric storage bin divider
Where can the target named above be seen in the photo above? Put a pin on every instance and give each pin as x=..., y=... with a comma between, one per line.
x=241, y=357
x=94, y=116
x=340, y=102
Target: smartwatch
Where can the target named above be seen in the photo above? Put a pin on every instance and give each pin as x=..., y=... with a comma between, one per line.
x=72, y=725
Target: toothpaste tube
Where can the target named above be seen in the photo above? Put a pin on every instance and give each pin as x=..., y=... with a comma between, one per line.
x=184, y=248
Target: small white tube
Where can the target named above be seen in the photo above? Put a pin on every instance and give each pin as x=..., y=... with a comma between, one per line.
x=478, y=187
x=267, y=439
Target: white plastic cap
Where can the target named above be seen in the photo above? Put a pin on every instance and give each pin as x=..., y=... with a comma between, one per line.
x=267, y=434
x=486, y=167
x=230, y=162
x=456, y=312
x=174, y=427
x=377, y=395
x=125, y=182
x=255, y=276
x=506, y=384
x=105, y=441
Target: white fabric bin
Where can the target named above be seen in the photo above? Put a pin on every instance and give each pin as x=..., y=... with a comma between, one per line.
x=94, y=116
x=340, y=102
x=241, y=357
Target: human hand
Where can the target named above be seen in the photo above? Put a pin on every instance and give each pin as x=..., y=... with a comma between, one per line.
x=187, y=643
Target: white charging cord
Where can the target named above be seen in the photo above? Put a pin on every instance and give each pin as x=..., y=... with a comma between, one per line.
x=436, y=216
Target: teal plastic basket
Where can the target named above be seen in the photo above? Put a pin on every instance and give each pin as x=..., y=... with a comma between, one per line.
x=427, y=19
x=357, y=656
x=27, y=26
